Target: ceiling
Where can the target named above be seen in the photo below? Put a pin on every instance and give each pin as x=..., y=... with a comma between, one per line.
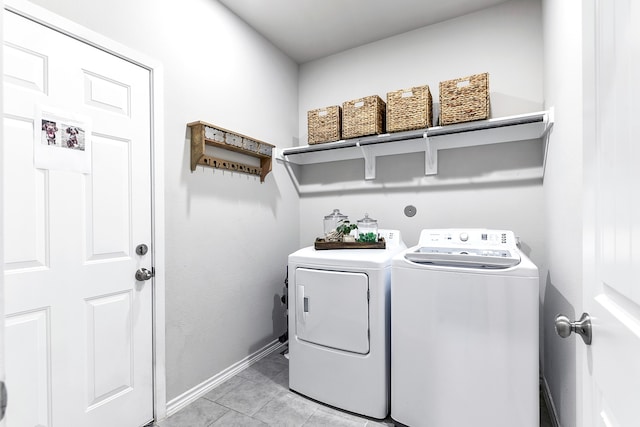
x=311, y=29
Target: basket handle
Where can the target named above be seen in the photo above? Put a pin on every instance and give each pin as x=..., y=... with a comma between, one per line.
x=463, y=83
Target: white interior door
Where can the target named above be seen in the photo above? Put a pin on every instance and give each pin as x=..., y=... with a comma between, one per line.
x=612, y=176
x=78, y=324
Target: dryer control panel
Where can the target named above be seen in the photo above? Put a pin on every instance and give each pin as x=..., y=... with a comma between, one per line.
x=392, y=237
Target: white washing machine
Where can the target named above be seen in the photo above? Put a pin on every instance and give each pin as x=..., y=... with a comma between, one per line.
x=464, y=331
x=339, y=325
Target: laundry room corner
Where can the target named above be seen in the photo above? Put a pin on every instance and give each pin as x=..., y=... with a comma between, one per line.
x=456, y=196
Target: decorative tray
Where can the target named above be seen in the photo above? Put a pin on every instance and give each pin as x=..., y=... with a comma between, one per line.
x=321, y=244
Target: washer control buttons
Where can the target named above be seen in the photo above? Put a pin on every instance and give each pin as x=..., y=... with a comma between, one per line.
x=464, y=237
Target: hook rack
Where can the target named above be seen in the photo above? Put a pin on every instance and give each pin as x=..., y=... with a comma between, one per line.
x=203, y=134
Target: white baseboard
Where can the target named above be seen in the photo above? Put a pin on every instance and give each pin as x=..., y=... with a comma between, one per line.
x=190, y=396
x=546, y=393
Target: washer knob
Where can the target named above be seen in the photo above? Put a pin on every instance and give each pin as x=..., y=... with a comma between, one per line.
x=464, y=237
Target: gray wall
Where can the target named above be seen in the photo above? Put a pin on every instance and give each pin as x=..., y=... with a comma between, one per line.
x=227, y=235
x=506, y=42
x=562, y=284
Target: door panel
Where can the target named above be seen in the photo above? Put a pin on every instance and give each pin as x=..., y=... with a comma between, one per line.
x=30, y=376
x=332, y=309
x=109, y=207
x=108, y=353
x=24, y=67
x=79, y=334
x=27, y=211
x=106, y=94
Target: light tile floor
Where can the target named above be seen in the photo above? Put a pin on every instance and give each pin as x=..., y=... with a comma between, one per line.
x=260, y=396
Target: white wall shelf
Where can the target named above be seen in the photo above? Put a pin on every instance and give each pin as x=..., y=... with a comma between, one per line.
x=522, y=127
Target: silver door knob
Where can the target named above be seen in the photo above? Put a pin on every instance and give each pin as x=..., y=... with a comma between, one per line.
x=582, y=327
x=143, y=274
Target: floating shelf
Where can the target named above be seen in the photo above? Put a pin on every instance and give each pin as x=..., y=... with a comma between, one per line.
x=203, y=134
x=430, y=141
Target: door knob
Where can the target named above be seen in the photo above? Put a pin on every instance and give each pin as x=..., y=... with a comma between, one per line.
x=143, y=274
x=582, y=327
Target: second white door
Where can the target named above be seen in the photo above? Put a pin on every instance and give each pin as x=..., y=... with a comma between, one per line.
x=611, y=373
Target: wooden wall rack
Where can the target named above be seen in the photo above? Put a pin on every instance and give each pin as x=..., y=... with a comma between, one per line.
x=203, y=134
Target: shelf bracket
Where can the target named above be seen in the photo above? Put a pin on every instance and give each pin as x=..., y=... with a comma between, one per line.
x=369, y=162
x=430, y=157
x=546, y=136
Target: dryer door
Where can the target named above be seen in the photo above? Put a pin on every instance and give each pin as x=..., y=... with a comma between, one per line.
x=332, y=309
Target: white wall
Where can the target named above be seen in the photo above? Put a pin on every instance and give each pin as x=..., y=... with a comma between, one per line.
x=228, y=236
x=506, y=42
x=562, y=284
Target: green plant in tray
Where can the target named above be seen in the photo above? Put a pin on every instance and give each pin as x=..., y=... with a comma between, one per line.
x=367, y=238
x=345, y=228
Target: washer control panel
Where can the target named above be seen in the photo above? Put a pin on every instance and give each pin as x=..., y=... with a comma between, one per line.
x=471, y=248
x=472, y=237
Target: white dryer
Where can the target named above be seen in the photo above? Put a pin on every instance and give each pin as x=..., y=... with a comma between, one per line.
x=339, y=325
x=464, y=335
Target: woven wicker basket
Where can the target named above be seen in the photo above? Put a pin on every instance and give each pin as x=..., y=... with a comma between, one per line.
x=409, y=109
x=324, y=124
x=464, y=99
x=364, y=116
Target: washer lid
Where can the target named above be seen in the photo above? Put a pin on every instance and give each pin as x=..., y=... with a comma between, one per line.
x=465, y=257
